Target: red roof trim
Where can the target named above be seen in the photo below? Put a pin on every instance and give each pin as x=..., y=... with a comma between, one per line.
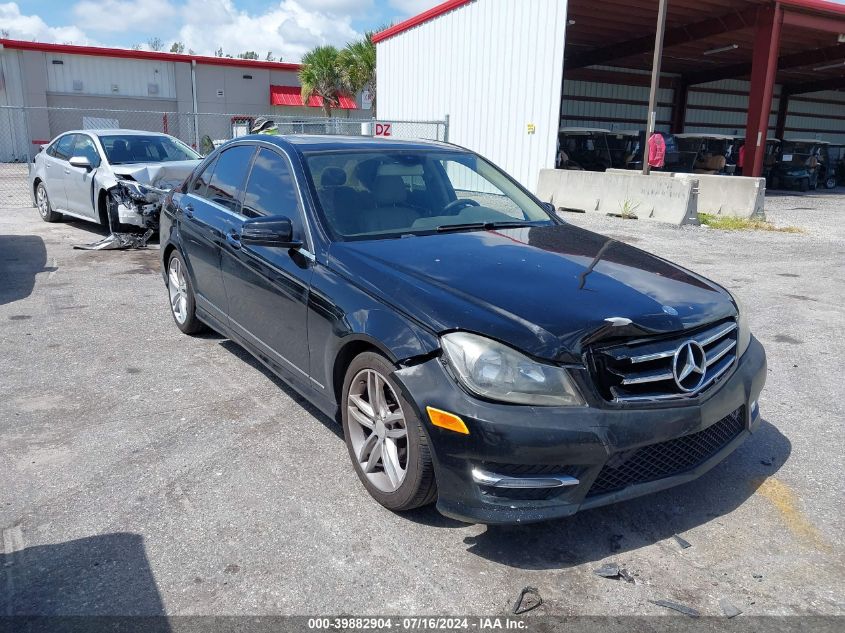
x=410, y=23
x=292, y=96
x=98, y=51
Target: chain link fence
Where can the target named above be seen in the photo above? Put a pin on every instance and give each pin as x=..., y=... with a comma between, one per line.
x=24, y=129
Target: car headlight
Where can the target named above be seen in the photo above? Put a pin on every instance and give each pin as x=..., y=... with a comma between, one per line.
x=498, y=372
x=743, y=338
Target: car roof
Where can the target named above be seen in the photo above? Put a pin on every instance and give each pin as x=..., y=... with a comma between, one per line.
x=716, y=137
x=323, y=142
x=808, y=141
x=583, y=130
x=115, y=131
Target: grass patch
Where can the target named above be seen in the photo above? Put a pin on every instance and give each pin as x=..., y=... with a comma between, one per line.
x=727, y=223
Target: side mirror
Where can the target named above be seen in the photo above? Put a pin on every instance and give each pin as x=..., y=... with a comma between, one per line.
x=80, y=161
x=271, y=231
x=548, y=206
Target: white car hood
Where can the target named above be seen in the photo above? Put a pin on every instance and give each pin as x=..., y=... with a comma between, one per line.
x=159, y=175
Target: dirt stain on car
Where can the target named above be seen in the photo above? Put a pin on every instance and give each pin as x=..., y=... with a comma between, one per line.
x=785, y=501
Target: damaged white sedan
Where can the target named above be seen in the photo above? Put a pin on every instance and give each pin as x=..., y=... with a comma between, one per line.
x=117, y=178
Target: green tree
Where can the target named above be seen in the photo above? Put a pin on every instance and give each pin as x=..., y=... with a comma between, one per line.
x=248, y=55
x=177, y=47
x=358, y=67
x=270, y=57
x=155, y=44
x=219, y=52
x=320, y=75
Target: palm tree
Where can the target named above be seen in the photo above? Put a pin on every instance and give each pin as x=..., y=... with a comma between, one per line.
x=358, y=67
x=320, y=75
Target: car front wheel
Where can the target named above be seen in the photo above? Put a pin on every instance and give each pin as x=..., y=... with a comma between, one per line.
x=45, y=209
x=181, y=293
x=386, y=440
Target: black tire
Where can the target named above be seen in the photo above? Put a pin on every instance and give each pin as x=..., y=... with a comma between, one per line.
x=830, y=183
x=418, y=488
x=804, y=185
x=189, y=324
x=42, y=203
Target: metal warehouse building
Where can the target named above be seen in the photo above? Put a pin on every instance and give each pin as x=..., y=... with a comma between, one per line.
x=510, y=73
x=61, y=87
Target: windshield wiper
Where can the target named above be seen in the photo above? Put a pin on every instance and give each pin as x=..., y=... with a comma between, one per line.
x=482, y=226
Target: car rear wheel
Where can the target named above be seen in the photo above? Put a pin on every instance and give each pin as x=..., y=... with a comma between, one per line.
x=181, y=292
x=386, y=440
x=45, y=209
x=830, y=182
x=804, y=185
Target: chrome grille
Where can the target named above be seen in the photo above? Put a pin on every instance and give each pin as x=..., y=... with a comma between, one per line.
x=644, y=371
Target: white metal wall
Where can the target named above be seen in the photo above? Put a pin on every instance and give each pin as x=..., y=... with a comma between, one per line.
x=818, y=115
x=721, y=107
x=494, y=66
x=94, y=75
x=612, y=106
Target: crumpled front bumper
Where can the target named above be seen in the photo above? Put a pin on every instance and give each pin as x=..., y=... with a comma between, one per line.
x=574, y=441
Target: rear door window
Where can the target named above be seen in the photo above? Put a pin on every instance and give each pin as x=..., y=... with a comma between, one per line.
x=229, y=175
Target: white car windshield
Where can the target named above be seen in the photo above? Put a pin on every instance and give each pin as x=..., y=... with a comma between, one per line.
x=153, y=148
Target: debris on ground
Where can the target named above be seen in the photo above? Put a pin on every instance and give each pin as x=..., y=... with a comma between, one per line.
x=682, y=542
x=668, y=604
x=728, y=608
x=612, y=570
x=757, y=577
x=529, y=599
x=118, y=241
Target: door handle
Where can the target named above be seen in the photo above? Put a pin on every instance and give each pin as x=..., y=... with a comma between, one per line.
x=188, y=210
x=233, y=239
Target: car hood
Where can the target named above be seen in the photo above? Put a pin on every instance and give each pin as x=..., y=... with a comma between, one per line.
x=545, y=290
x=160, y=175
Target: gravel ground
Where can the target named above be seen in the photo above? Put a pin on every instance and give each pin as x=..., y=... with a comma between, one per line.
x=147, y=472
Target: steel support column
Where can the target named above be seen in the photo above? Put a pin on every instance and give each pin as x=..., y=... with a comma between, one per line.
x=783, y=110
x=763, y=70
x=679, y=105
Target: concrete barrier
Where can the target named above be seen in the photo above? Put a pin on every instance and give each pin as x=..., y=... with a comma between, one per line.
x=620, y=193
x=735, y=196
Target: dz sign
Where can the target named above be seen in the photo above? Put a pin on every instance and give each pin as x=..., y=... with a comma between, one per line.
x=384, y=129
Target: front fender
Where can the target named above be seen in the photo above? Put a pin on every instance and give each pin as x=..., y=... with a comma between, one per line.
x=341, y=315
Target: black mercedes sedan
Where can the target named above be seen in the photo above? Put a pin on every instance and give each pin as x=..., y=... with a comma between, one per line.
x=478, y=351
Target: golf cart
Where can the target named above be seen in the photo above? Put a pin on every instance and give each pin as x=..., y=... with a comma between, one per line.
x=713, y=152
x=802, y=164
x=583, y=149
x=626, y=149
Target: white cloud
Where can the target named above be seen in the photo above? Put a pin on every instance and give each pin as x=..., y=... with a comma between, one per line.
x=289, y=29
x=32, y=27
x=122, y=15
x=413, y=7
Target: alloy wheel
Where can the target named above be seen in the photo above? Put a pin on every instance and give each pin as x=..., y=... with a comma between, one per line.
x=41, y=201
x=378, y=430
x=178, y=288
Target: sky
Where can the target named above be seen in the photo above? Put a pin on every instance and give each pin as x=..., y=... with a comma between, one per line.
x=287, y=28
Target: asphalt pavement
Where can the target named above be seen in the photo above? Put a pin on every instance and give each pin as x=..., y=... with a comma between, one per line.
x=147, y=472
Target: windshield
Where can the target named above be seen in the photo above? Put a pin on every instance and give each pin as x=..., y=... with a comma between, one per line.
x=388, y=193
x=154, y=148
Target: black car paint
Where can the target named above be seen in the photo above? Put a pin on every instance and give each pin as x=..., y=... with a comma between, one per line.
x=301, y=312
